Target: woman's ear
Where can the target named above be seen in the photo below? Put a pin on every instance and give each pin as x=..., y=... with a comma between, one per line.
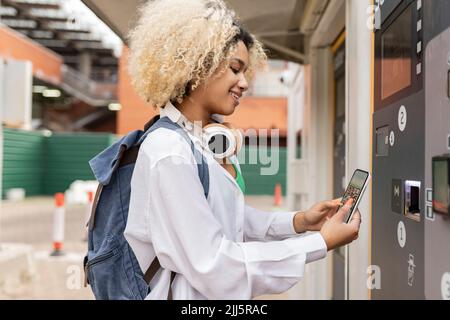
x=187, y=89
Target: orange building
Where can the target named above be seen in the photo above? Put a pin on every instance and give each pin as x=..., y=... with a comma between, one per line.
x=46, y=64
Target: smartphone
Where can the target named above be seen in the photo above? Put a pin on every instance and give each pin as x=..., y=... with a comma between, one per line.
x=355, y=190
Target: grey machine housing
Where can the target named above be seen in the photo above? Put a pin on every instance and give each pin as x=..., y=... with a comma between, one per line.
x=411, y=127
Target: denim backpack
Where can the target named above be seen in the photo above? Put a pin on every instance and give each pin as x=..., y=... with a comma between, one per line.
x=110, y=267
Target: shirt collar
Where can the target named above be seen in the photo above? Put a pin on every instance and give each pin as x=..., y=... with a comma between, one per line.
x=176, y=116
x=171, y=112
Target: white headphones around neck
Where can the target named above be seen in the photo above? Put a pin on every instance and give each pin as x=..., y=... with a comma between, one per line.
x=223, y=140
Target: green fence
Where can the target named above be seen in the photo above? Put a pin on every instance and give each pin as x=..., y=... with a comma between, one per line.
x=262, y=170
x=23, y=159
x=67, y=157
x=46, y=165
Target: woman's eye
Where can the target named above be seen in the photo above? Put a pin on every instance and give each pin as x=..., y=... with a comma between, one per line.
x=235, y=71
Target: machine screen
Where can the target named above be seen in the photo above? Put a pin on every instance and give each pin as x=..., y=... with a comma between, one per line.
x=440, y=188
x=396, y=48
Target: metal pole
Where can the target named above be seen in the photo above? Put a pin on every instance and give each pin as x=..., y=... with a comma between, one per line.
x=346, y=273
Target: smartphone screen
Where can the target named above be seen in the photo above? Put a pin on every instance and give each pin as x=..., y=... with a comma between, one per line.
x=354, y=190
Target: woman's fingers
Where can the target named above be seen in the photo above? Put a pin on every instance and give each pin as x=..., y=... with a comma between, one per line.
x=357, y=217
x=342, y=213
x=355, y=224
x=331, y=204
x=330, y=207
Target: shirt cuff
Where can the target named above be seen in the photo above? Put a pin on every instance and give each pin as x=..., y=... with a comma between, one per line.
x=313, y=245
x=318, y=247
x=283, y=224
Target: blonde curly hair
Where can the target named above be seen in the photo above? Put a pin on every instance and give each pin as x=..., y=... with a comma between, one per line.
x=178, y=45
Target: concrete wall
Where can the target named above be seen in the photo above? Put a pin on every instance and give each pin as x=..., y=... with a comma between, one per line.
x=296, y=107
x=319, y=147
x=359, y=144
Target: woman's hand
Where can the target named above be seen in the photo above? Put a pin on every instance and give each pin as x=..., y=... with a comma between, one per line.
x=336, y=232
x=314, y=218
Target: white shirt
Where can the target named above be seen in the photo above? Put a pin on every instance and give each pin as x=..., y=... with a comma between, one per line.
x=219, y=247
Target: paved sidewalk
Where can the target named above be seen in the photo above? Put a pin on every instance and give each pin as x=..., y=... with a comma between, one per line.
x=31, y=222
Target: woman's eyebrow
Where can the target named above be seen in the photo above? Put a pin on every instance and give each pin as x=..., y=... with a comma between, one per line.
x=241, y=62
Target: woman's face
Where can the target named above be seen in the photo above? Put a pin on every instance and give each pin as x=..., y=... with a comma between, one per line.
x=221, y=94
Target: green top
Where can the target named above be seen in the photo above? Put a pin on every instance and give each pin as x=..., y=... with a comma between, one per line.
x=239, y=178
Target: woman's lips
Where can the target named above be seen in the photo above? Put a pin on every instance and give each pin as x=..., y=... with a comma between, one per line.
x=235, y=98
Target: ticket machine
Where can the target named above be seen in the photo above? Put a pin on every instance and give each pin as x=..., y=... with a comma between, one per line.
x=411, y=143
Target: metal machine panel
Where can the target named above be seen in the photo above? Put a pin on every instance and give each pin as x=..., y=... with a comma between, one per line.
x=437, y=128
x=411, y=131
x=398, y=154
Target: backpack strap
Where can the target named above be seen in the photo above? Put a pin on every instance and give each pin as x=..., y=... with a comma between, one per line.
x=91, y=222
x=172, y=277
x=131, y=154
x=202, y=164
x=151, y=272
x=150, y=124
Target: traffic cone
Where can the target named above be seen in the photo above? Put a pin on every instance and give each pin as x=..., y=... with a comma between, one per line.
x=58, y=225
x=278, y=195
x=88, y=214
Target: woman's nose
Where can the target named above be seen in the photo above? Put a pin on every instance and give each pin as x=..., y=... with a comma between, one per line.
x=243, y=83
